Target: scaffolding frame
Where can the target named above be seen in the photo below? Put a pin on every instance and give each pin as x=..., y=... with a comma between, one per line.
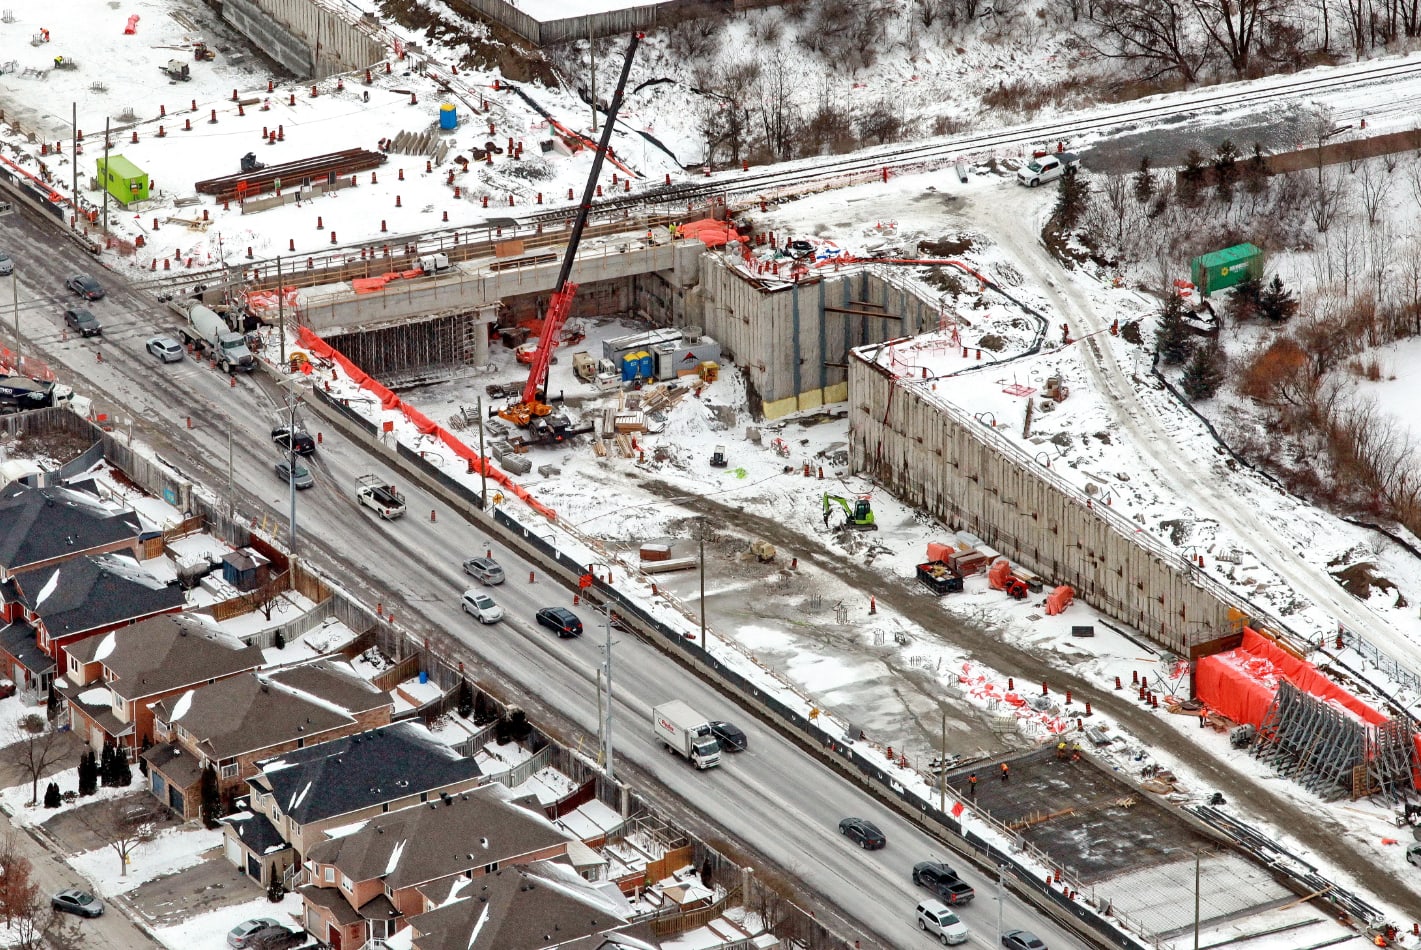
x=1332, y=753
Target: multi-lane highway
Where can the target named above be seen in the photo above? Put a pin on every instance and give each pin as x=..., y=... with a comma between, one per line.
x=774, y=801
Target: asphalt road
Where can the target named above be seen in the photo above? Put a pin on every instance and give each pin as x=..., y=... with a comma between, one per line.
x=777, y=803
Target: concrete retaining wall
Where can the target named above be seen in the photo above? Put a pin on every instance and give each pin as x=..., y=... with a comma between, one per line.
x=961, y=470
x=790, y=341
x=305, y=37
x=648, y=16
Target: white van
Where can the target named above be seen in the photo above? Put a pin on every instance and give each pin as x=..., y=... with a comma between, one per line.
x=937, y=918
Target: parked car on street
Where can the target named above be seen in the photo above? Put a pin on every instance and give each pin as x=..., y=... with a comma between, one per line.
x=481, y=605
x=239, y=936
x=302, y=479
x=85, y=286
x=77, y=902
x=7, y=265
x=561, y=621
x=863, y=832
x=83, y=321
x=486, y=569
x=732, y=739
x=166, y=349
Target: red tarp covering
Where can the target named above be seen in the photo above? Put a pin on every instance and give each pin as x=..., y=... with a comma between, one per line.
x=712, y=233
x=1241, y=682
x=937, y=551
x=390, y=401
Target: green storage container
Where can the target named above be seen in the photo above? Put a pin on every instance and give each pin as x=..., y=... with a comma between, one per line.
x=122, y=179
x=1220, y=269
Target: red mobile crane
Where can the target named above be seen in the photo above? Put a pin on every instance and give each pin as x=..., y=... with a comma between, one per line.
x=531, y=411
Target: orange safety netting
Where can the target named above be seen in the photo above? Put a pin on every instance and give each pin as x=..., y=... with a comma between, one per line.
x=264, y=302
x=1242, y=682
x=712, y=233
x=423, y=423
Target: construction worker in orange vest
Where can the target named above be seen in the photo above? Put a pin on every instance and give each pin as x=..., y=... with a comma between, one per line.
x=972, y=786
x=1006, y=772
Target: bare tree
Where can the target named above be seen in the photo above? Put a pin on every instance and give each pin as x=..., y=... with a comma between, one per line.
x=36, y=745
x=18, y=892
x=1152, y=36
x=1326, y=201
x=1381, y=256
x=1409, y=284
x=1235, y=26
x=779, y=118
x=1375, y=186
x=124, y=824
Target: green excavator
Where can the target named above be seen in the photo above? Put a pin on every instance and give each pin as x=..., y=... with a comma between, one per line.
x=858, y=514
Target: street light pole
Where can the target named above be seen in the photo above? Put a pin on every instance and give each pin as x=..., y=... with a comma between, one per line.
x=15, y=303
x=607, y=732
x=999, y=903
x=291, y=471
x=703, y=583
x=1196, y=900
x=483, y=459
x=281, y=310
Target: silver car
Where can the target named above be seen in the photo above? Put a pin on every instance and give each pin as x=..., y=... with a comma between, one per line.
x=485, y=569
x=7, y=265
x=302, y=478
x=166, y=349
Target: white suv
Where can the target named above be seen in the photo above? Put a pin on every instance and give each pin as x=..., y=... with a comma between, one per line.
x=938, y=919
x=481, y=605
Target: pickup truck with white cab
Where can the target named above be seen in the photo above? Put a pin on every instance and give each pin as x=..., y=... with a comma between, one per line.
x=385, y=499
x=1047, y=168
x=686, y=732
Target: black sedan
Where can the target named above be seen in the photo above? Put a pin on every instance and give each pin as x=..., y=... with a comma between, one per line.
x=85, y=286
x=732, y=739
x=1022, y=940
x=82, y=320
x=561, y=621
x=75, y=901
x=864, y=832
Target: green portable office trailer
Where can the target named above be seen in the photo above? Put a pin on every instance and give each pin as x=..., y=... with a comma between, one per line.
x=1220, y=269
x=122, y=179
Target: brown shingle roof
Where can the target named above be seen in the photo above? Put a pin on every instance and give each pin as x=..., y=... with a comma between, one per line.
x=445, y=837
x=257, y=711
x=165, y=653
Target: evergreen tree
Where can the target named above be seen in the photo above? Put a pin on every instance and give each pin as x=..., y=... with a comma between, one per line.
x=211, y=797
x=1072, y=199
x=1205, y=372
x=1244, y=299
x=51, y=705
x=466, y=700
x=1226, y=170
x=1276, y=302
x=122, y=770
x=279, y=641
x=1256, y=171
x=142, y=762
x=1191, y=177
x=1173, y=344
x=275, y=891
x=51, y=795
x=1144, y=182
x=88, y=773
x=108, y=766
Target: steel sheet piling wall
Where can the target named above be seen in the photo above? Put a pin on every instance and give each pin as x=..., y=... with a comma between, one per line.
x=305, y=37
x=937, y=457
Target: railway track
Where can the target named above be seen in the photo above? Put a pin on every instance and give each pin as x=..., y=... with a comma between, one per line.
x=631, y=211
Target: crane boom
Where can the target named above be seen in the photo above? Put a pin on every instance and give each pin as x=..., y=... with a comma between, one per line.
x=560, y=305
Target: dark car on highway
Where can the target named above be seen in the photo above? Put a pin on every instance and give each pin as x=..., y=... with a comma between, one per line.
x=560, y=620
x=863, y=832
x=943, y=881
x=85, y=286
x=82, y=320
x=732, y=739
x=294, y=440
x=1022, y=940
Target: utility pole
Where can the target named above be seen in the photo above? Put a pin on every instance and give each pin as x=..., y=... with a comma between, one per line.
x=592, y=53
x=999, y=903
x=15, y=302
x=231, y=498
x=74, y=157
x=942, y=768
x=607, y=734
x=1196, y=900
x=291, y=471
x=281, y=309
x=703, y=584
x=601, y=715
x=483, y=459
x=107, y=122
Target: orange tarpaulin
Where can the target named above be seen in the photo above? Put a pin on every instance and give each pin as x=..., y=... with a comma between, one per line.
x=389, y=400
x=712, y=233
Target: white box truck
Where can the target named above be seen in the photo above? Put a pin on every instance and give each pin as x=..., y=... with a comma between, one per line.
x=685, y=731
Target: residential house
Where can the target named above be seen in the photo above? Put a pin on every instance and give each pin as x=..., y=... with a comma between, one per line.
x=527, y=908
x=295, y=797
x=365, y=884
x=69, y=569
x=113, y=681
x=235, y=723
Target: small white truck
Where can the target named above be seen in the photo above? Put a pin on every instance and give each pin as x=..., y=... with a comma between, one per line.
x=685, y=732
x=385, y=499
x=1047, y=168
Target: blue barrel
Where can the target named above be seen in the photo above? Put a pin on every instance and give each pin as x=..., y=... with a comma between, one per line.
x=423, y=677
x=448, y=117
